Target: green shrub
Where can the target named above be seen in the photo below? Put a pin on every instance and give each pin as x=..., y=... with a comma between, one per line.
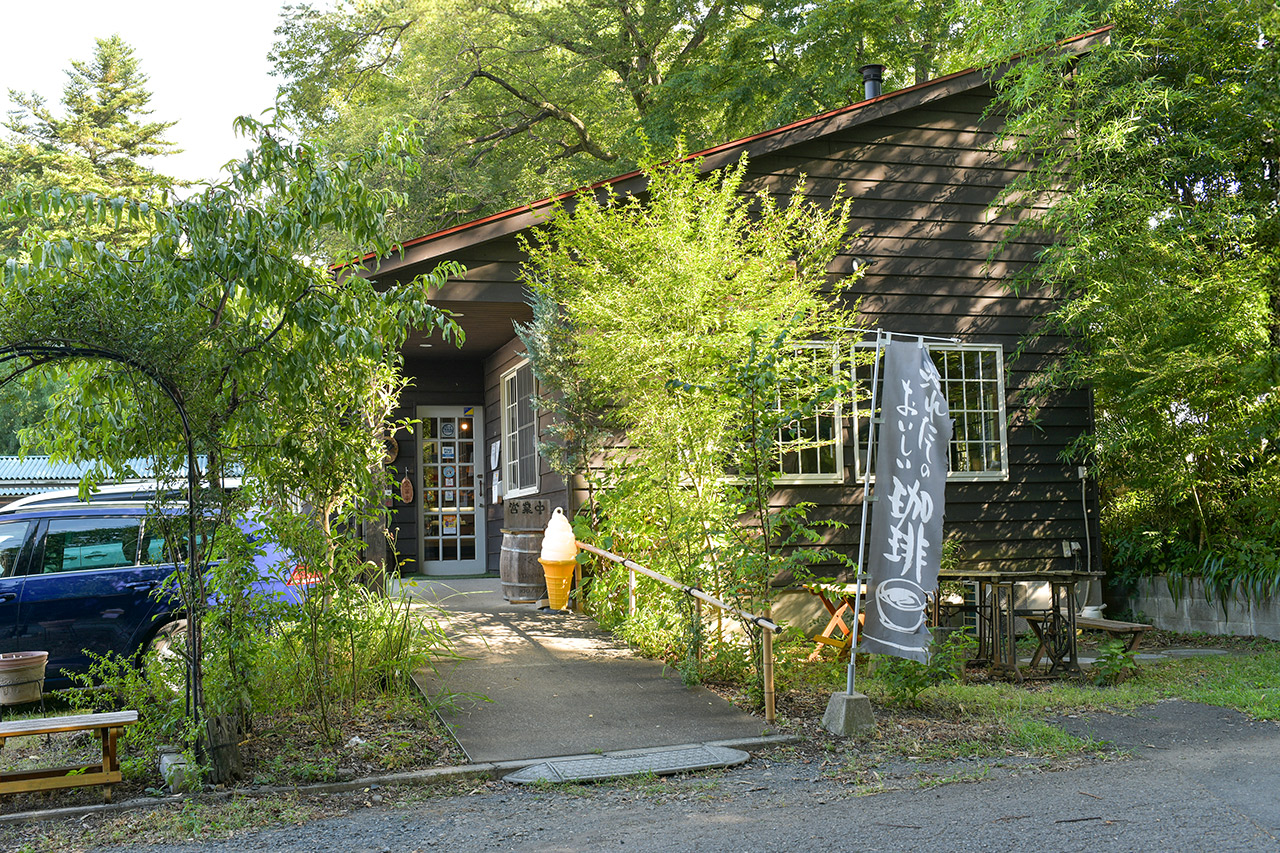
x=114, y=682
x=906, y=679
x=1114, y=664
x=675, y=340
x=1238, y=559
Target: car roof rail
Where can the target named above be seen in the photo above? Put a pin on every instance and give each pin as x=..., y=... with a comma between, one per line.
x=119, y=494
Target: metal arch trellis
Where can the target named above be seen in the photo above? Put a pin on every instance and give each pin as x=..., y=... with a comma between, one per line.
x=46, y=353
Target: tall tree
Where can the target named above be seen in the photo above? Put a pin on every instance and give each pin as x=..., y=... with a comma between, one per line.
x=1167, y=257
x=93, y=145
x=790, y=60
x=693, y=313
x=284, y=371
x=523, y=99
x=97, y=142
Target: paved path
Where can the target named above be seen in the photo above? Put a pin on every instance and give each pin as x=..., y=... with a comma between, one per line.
x=556, y=685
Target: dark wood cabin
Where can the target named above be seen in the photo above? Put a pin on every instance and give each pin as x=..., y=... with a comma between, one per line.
x=923, y=168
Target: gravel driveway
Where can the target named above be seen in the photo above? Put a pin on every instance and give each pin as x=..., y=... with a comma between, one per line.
x=1197, y=778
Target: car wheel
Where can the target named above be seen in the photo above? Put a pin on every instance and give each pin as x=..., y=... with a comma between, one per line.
x=166, y=655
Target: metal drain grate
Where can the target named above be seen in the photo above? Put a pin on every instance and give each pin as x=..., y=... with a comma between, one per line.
x=632, y=762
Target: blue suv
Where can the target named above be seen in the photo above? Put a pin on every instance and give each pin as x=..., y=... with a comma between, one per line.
x=81, y=577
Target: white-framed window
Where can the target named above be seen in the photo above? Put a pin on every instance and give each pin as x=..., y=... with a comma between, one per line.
x=812, y=450
x=973, y=382
x=519, y=432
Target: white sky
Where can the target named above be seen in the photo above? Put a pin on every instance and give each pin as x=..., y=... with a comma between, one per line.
x=206, y=63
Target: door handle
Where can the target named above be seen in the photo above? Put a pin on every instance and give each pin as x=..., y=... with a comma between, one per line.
x=8, y=596
x=141, y=586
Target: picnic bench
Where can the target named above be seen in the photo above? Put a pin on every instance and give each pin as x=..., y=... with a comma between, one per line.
x=837, y=634
x=105, y=772
x=1130, y=632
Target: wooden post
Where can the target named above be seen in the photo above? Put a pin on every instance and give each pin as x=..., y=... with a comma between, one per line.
x=578, y=606
x=697, y=629
x=770, y=708
x=631, y=592
x=222, y=739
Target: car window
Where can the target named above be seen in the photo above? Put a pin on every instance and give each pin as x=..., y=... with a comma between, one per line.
x=81, y=544
x=12, y=536
x=165, y=541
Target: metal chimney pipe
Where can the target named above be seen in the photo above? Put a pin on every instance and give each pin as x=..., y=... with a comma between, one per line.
x=871, y=75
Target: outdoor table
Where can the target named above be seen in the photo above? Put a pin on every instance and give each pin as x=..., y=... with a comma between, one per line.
x=105, y=772
x=829, y=594
x=996, y=611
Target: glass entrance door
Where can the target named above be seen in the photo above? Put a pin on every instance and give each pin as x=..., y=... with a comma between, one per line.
x=451, y=510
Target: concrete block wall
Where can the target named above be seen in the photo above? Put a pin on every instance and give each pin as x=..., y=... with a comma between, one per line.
x=1153, y=603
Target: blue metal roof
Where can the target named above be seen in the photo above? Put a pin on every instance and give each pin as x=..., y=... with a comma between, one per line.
x=35, y=474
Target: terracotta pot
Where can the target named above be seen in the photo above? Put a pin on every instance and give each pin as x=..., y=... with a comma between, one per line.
x=22, y=677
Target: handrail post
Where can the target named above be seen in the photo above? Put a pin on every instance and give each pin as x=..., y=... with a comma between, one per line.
x=631, y=592
x=697, y=629
x=578, y=605
x=770, y=707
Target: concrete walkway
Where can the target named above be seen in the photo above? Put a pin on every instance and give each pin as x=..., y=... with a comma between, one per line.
x=540, y=684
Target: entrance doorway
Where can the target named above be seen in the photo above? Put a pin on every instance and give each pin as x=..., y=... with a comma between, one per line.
x=451, y=509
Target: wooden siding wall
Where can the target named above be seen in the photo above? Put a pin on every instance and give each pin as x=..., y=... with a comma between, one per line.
x=551, y=487
x=921, y=182
x=434, y=383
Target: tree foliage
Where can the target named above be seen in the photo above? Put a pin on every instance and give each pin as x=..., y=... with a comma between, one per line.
x=95, y=144
x=1159, y=172
x=226, y=302
x=525, y=99
x=688, y=310
x=286, y=371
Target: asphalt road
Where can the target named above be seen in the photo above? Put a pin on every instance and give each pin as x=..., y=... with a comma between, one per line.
x=1198, y=779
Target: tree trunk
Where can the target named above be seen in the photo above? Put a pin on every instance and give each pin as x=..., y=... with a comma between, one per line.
x=222, y=746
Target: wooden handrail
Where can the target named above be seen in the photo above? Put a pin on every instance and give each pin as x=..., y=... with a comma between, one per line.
x=768, y=626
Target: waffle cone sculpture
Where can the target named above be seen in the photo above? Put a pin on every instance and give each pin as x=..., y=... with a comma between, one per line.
x=559, y=553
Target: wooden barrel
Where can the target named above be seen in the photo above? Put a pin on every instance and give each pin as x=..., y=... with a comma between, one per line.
x=518, y=567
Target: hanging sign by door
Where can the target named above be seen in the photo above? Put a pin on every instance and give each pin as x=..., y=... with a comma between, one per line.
x=406, y=489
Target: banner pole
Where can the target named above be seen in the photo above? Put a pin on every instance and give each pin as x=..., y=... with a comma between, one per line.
x=860, y=574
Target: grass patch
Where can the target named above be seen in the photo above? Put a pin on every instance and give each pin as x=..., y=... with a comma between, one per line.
x=1249, y=683
x=190, y=821
x=385, y=734
x=929, y=782
x=959, y=731
x=1246, y=683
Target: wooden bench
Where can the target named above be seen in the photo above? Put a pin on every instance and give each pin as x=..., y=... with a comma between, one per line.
x=1130, y=632
x=837, y=634
x=105, y=772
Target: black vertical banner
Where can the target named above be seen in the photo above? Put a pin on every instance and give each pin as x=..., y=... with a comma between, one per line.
x=905, y=548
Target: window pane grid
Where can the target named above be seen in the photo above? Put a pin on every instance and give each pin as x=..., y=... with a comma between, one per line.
x=812, y=448
x=519, y=428
x=972, y=385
